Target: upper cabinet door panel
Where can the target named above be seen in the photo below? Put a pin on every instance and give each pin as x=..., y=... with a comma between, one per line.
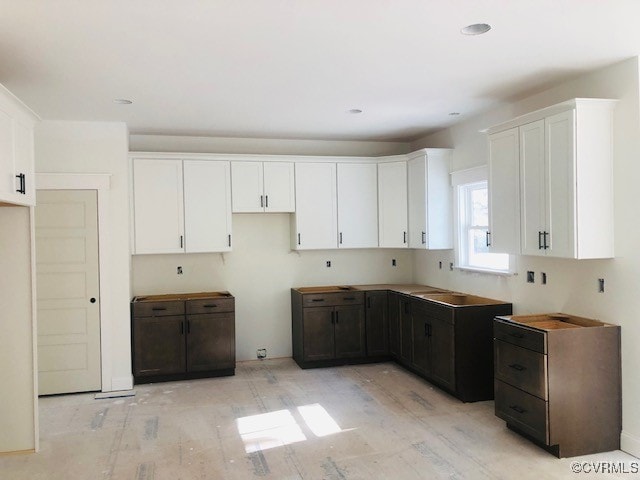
x=439, y=233
x=7, y=175
x=532, y=186
x=207, y=206
x=504, y=192
x=357, y=205
x=279, y=189
x=392, y=204
x=158, y=206
x=247, y=191
x=316, y=208
x=24, y=161
x=417, y=191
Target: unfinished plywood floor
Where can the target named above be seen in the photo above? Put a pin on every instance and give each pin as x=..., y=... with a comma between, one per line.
x=273, y=420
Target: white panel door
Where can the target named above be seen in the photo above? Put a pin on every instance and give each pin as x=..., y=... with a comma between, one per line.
x=316, y=206
x=532, y=188
x=207, y=206
x=158, y=206
x=67, y=275
x=357, y=205
x=392, y=204
x=247, y=187
x=279, y=187
x=504, y=192
x=560, y=185
x=417, y=204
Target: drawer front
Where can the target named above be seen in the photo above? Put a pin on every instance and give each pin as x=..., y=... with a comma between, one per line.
x=521, y=368
x=332, y=299
x=519, y=335
x=158, y=309
x=523, y=411
x=211, y=305
x=431, y=309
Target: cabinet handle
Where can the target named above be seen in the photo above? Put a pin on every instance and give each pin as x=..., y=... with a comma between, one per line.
x=181, y=241
x=544, y=236
x=340, y=238
x=22, y=189
x=181, y=328
x=336, y=317
x=158, y=309
x=426, y=329
x=539, y=240
x=424, y=237
x=317, y=299
x=349, y=298
x=188, y=326
x=261, y=201
x=332, y=319
x=212, y=305
x=368, y=302
x=229, y=238
x=404, y=237
x=488, y=235
x=517, y=409
x=266, y=201
x=298, y=239
x=517, y=367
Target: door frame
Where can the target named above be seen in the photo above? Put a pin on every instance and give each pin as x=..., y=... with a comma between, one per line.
x=101, y=183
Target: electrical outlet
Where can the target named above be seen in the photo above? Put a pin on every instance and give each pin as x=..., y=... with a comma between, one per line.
x=393, y=262
x=601, y=285
x=179, y=270
x=261, y=353
x=451, y=266
x=543, y=278
x=328, y=263
x=531, y=276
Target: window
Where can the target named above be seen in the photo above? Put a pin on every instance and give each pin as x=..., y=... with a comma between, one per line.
x=472, y=201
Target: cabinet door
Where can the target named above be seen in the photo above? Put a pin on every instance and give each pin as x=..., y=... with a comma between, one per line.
x=504, y=192
x=279, y=187
x=420, y=345
x=560, y=185
x=532, y=186
x=24, y=161
x=417, y=204
x=316, y=209
x=158, y=206
x=377, y=323
x=441, y=351
x=207, y=206
x=392, y=204
x=158, y=345
x=247, y=187
x=210, y=342
x=349, y=331
x=318, y=333
x=357, y=205
x=439, y=233
x=7, y=172
x=394, y=325
x=406, y=332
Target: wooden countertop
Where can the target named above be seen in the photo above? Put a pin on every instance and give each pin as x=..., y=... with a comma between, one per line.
x=181, y=296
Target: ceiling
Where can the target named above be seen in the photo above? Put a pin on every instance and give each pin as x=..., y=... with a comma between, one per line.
x=294, y=68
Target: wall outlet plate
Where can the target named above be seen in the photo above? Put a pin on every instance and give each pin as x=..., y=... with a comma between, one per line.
x=179, y=270
x=328, y=263
x=393, y=262
x=531, y=276
x=261, y=353
x=601, y=285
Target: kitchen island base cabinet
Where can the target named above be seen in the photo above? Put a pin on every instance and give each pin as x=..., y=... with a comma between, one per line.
x=177, y=337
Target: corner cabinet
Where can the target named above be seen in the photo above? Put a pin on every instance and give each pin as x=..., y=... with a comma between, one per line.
x=357, y=205
x=392, y=205
x=430, y=200
x=181, y=206
x=17, y=185
x=565, y=171
x=262, y=187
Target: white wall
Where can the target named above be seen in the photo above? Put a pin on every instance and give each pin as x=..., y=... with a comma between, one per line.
x=97, y=147
x=572, y=284
x=18, y=415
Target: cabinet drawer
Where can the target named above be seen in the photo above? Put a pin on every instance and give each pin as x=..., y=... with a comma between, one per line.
x=521, y=368
x=332, y=299
x=519, y=335
x=210, y=305
x=158, y=309
x=523, y=411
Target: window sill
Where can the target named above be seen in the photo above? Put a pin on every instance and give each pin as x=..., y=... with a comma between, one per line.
x=502, y=273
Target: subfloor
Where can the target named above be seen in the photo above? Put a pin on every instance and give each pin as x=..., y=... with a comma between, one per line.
x=273, y=420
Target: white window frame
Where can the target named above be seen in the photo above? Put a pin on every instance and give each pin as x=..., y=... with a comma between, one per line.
x=461, y=179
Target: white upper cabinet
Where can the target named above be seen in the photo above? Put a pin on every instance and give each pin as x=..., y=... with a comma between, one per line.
x=565, y=171
x=315, y=220
x=17, y=183
x=504, y=192
x=181, y=206
x=158, y=208
x=392, y=204
x=207, y=206
x=357, y=205
x=262, y=187
x=430, y=202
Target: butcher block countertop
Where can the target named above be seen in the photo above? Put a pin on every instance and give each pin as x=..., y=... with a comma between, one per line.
x=172, y=297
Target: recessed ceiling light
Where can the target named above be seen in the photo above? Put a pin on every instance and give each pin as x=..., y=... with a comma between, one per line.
x=476, y=29
x=355, y=111
x=122, y=101
x=454, y=114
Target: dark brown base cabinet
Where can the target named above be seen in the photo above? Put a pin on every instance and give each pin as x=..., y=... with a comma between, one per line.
x=558, y=381
x=182, y=336
x=451, y=346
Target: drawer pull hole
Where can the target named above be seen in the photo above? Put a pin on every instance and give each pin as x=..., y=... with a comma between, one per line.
x=210, y=306
x=158, y=309
x=517, y=367
x=517, y=408
x=516, y=335
x=349, y=298
x=318, y=300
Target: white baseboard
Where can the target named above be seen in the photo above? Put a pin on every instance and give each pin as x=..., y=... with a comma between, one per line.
x=121, y=383
x=630, y=444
